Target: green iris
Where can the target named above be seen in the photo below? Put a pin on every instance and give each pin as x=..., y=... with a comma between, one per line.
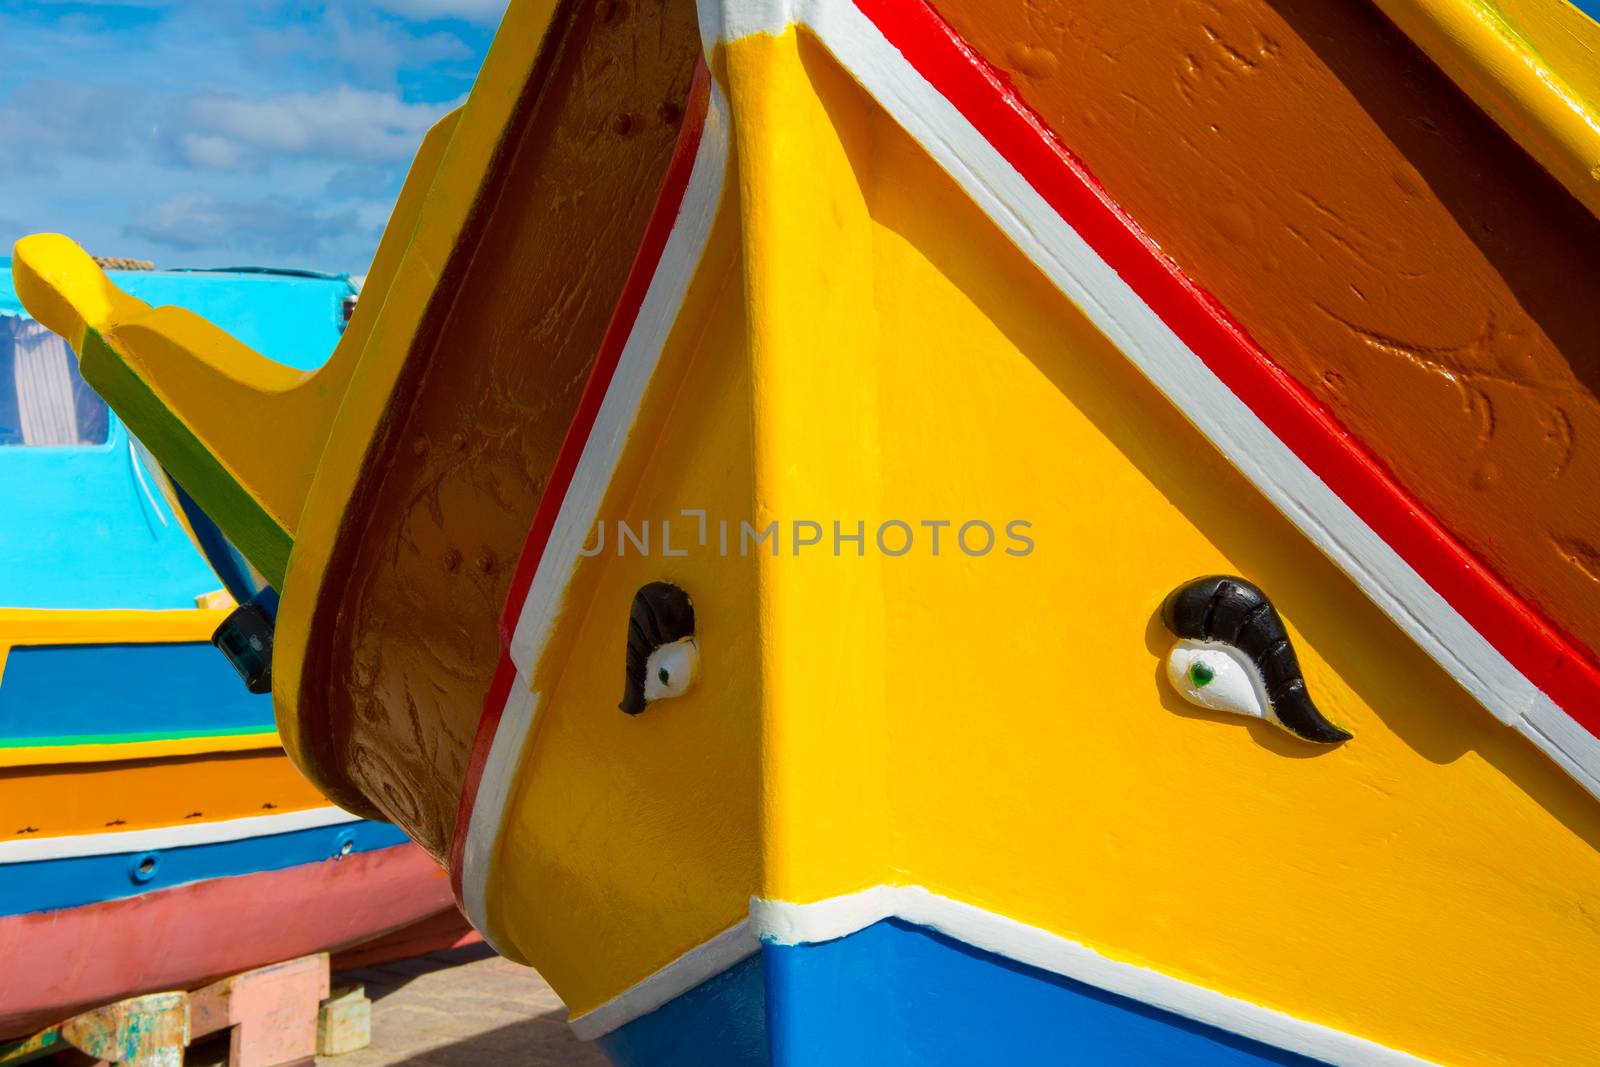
x=666, y=679
x=1200, y=674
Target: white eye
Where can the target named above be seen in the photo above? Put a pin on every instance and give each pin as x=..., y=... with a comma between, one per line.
x=671, y=669
x=1212, y=675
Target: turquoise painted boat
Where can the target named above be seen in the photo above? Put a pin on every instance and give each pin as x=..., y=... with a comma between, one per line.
x=147, y=810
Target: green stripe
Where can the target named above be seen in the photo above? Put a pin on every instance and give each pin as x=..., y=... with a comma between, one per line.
x=128, y=739
x=253, y=532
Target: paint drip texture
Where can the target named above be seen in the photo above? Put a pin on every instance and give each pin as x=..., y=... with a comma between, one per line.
x=444, y=516
x=1378, y=235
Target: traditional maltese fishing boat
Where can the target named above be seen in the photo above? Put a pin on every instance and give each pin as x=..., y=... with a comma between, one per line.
x=1013, y=533
x=155, y=836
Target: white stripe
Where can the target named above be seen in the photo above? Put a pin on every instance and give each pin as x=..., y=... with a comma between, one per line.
x=729, y=20
x=732, y=946
x=489, y=806
x=1122, y=315
x=200, y=833
x=1576, y=749
x=827, y=920
x=637, y=364
x=780, y=923
x=658, y=313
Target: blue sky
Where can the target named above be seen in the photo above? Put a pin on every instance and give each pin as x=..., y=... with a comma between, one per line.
x=224, y=132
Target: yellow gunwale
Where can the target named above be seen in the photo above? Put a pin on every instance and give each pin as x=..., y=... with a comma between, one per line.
x=23, y=627
x=92, y=626
x=1526, y=83
x=117, y=752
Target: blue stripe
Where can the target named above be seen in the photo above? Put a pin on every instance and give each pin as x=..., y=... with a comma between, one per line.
x=895, y=993
x=720, y=1023
x=235, y=572
x=67, y=691
x=48, y=885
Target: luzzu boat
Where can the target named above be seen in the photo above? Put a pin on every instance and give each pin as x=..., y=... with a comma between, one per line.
x=1087, y=509
x=155, y=835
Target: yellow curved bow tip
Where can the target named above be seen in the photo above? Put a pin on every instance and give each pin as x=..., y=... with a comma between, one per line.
x=66, y=290
x=239, y=432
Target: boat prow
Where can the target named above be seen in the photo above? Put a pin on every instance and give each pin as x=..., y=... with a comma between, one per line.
x=878, y=534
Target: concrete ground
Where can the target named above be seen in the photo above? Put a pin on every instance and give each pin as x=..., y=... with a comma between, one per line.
x=465, y=1007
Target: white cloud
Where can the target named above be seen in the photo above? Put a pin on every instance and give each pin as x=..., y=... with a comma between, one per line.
x=227, y=132
x=223, y=131
x=487, y=11
x=369, y=50
x=210, y=151
x=281, y=225
x=44, y=119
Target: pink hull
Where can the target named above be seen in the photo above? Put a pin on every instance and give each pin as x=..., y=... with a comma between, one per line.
x=437, y=933
x=57, y=963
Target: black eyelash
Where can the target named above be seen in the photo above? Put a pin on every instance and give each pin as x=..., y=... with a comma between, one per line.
x=661, y=614
x=1237, y=613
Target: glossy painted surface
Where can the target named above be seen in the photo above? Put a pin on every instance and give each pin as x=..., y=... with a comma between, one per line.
x=430, y=539
x=234, y=398
x=896, y=993
x=1155, y=815
x=861, y=339
x=90, y=538
x=1400, y=256
x=96, y=533
x=104, y=693
x=183, y=937
x=123, y=685
x=294, y=319
x=720, y=1023
x=718, y=727
x=53, y=884
x=1528, y=63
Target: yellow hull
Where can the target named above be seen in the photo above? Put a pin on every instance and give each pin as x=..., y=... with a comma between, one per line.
x=998, y=729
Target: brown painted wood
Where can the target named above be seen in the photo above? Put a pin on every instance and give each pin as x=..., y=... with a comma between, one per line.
x=405, y=639
x=1379, y=236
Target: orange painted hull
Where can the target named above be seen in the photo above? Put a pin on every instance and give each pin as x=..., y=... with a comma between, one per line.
x=89, y=798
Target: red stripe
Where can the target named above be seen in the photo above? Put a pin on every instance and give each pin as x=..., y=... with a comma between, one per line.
x=663, y=218
x=1558, y=665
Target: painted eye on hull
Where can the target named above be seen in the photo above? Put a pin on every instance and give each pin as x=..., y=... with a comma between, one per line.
x=671, y=669
x=663, y=656
x=1214, y=676
x=1234, y=654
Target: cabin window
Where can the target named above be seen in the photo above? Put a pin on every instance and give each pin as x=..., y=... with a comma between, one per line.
x=43, y=398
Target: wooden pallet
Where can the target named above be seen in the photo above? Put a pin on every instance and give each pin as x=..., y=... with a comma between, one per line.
x=275, y=1016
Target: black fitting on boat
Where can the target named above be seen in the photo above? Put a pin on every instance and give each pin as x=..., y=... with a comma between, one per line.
x=245, y=637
